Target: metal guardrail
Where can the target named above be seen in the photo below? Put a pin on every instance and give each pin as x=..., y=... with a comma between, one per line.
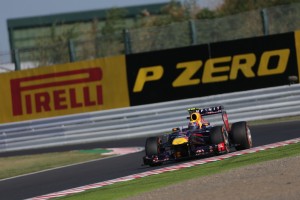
x=146, y=120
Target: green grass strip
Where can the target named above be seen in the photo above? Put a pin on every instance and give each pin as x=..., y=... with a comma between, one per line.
x=138, y=186
x=95, y=151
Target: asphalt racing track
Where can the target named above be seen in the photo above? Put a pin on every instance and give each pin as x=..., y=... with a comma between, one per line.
x=78, y=175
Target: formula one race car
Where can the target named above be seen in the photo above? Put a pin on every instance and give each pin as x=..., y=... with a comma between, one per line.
x=198, y=139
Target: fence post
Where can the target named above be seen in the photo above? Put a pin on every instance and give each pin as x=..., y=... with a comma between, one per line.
x=71, y=48
x=16, y=58
x=127, y=44
x=193, y=32
x=265, y=20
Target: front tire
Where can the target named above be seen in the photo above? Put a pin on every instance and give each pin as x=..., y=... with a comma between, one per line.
x=152, y=149
x=241, y=135
x=151, y=146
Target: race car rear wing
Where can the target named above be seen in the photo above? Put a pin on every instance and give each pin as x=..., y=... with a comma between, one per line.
x=207, y=111
x=211, y=111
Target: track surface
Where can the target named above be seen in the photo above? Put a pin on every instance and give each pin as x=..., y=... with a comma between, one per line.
x=106, y=169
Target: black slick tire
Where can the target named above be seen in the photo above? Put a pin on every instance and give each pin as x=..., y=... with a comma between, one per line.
x=241, y=135
x=151, y=146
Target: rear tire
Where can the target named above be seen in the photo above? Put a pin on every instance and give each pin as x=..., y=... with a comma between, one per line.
x=241, y=135
x=219, y=135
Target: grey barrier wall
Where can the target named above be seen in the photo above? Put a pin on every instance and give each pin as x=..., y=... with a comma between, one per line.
x=146, y=120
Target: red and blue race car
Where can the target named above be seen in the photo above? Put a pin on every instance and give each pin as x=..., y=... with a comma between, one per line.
x=198, y=138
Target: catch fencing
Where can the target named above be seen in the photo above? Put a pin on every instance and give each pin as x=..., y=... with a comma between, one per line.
x=146, y=120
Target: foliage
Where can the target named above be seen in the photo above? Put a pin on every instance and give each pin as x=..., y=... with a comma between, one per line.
x=175, y=11
x=230, y=7
x=104, y=38
x=191, y=8
x=55, y=49
x=206, y=14
x=114, y=20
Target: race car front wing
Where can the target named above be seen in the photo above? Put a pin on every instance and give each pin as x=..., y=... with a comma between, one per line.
x=195, y=151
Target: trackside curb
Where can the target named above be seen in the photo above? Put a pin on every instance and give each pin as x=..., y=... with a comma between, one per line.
x=163, y=170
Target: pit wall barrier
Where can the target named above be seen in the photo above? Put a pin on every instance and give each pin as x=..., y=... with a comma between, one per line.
x=151, y=77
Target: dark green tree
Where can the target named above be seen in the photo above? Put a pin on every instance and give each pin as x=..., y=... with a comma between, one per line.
x=236, y=6
x=206, y=14
x=115, y=18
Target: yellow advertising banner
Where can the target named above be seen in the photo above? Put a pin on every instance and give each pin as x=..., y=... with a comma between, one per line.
x=64, y=89
x=297, y=45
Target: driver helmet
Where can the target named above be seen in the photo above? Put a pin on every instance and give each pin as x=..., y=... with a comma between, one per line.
x=193, y=126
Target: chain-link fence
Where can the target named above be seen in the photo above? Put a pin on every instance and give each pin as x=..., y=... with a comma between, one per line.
x=163, y=37
x=254, y=23
x=244, y=25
